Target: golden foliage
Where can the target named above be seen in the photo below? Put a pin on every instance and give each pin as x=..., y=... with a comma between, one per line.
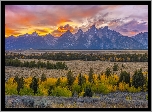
x=86, y=76
x=121, y=86
x=76, y=80
x=105, y=85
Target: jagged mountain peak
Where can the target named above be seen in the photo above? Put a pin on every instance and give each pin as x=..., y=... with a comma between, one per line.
x=34, y=34
x=106, y=27
x=79, y=31
x=49, y=35
x=92, y=30
x=141, y=33
x=68, y=31
x=10, y=37
x=93, y=26
x=66, y=34
x=102, y=38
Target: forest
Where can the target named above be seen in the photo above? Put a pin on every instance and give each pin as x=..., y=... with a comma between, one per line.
x=84, y=57
x=80, y=85
x=32, y=64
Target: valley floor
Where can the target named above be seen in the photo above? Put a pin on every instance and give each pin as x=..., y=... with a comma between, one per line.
x=76, y=66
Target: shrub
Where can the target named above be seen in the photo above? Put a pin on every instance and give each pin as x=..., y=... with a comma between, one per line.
x=10, y=89
x=76, y=89
x=99, y=77
x=42, y=92
x=121, y=86
x=101, y=88
x=115, y=67
x=50, y=90
x=63, y=81
x=128, y=97
x=27, y=82
x=26, y=91
x=132, y=89
x=49, y=82
x=113, y=79
x=58, y=82
x=82, y=93
x=59, y=91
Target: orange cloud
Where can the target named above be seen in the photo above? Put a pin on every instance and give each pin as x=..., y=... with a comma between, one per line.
x=22, y=20
x=132, y=33
x=63, y=21
x=43, y=31
x=9, y=31
x=63, y=29
x=42, y=17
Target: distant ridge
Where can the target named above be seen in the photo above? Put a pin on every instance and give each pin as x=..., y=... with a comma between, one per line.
x=93, y=39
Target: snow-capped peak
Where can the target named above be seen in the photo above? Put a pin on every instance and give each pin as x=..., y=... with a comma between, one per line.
x=34, y=34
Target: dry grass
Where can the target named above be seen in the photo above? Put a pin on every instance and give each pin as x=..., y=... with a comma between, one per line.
x=56, y=102
x=76, y=66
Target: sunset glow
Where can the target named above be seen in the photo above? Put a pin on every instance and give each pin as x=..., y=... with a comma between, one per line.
x=129, y=20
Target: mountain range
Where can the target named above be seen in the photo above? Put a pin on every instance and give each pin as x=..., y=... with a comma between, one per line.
x=92, y=39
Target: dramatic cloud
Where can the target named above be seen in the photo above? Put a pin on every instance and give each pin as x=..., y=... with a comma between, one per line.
x=21, y=19
x=63, y=29
x=133, y=27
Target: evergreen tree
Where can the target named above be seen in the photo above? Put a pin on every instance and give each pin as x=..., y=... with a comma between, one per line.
x=50, y=90
x=108, y=72
x=138, y=80
x=124, y=77
x=20, y=83
x=88, y=92
x=115, y=67
x=43, y=77
x=99, y=77
x=16, y=79
x=34, y=85
x=90, y=79
x=70, y=79
x=58, y=82
x=81, y=80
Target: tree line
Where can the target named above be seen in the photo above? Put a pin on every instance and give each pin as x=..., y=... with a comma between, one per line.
x=32, y=64
x=138, y=81
x=85, y=57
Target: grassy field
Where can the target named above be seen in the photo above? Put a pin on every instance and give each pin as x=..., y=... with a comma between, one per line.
x=77, y=67
x=115, y=99
x=28, y=52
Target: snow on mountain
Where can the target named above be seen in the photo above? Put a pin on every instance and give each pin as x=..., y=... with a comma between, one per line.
x=142, y=38
x=50, y=40
x=78, y=34
x=96, y=39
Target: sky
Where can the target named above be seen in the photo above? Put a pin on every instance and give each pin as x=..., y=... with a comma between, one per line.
x=129, y=20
